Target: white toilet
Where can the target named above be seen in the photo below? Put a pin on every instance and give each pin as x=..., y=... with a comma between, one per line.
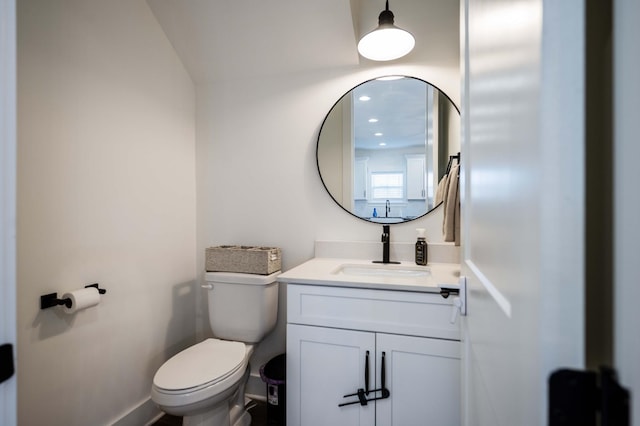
x=205, y=383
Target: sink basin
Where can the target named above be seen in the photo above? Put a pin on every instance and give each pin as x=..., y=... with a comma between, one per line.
x=382, y=270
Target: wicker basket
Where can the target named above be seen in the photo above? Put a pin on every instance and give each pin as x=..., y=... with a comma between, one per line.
x=244, y=259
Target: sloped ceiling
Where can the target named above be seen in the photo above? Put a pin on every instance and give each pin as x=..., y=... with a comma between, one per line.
x=226, y=39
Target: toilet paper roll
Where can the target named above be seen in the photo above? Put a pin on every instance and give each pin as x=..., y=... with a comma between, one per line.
x=81, y=299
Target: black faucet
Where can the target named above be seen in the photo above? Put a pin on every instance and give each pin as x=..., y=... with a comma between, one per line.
x=386, y=244
x=387, y=209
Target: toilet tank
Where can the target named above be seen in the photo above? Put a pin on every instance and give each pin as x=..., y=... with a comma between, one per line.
x=242, y=307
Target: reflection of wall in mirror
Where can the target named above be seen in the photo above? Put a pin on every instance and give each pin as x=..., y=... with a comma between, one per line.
x=453, y=139
x=446, y=132
x=332, y=147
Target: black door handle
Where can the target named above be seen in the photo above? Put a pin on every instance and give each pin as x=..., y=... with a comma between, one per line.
x=6, y=362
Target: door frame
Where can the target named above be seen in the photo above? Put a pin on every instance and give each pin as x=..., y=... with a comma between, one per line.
x=8, y=399
x=626, y=93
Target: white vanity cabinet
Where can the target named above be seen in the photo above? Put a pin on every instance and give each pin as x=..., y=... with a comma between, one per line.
x=335, y=334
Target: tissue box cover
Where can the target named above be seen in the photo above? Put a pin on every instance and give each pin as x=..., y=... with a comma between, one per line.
x=244, y=259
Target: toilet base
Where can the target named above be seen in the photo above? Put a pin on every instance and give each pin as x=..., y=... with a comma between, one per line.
x=242, y=418
x=219, y=417
x=229, y=412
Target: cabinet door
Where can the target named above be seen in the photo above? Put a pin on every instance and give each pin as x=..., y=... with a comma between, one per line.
x=360, y=179
x=323, y=365
x=416, y=180
x=423, y=378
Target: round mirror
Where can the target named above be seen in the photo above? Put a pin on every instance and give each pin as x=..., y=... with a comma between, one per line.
x=384, y=146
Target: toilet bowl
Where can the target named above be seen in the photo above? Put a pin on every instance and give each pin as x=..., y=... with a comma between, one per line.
x=205, y=383
x=201, y=381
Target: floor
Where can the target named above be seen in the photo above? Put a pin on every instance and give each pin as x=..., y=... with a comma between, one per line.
x=258, y=417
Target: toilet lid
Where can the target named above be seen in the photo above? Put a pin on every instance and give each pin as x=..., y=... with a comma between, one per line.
x=209, y=361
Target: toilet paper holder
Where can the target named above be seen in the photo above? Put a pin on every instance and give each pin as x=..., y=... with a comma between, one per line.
x=50, y=300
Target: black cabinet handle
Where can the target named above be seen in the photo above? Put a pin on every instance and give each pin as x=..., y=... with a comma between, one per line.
x=382, y=373
x=366, y=374
x=360, y=393
x=383, y=379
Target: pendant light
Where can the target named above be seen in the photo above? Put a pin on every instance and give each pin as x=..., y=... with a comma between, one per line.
x=387, y=42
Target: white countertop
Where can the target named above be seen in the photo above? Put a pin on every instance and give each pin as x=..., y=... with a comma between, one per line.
x=322, y=271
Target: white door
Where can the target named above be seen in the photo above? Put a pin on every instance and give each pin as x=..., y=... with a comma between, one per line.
x=627, y=197
x=7, y=199
x=522, y=196
x=423, y=377
x=323, y=365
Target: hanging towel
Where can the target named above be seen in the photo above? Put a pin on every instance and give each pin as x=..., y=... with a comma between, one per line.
x=441, y=189
x=452, y=206
x=445, y=186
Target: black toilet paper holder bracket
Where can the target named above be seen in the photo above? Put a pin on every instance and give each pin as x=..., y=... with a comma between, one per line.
x=50, y=300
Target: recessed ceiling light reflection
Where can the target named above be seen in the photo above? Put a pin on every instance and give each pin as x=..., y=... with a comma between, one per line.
x=373, y=120
x=364, y=98
x=382, y=144
x=377, y=134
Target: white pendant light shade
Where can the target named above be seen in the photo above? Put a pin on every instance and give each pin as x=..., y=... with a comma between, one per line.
x=387, y=42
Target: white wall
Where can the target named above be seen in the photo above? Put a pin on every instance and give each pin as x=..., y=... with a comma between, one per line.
x=106, y=193
x=257, y=177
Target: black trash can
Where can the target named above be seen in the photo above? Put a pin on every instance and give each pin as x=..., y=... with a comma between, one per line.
x=274, y=374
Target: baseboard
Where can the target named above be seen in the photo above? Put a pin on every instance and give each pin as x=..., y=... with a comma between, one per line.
x=146, y=413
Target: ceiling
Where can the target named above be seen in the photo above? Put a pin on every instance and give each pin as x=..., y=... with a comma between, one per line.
x=400, y=110
x=229, y=39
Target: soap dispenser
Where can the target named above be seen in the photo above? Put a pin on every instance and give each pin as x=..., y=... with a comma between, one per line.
x=421, y=248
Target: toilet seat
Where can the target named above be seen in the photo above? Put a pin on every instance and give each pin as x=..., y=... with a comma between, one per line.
x=200, y=366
